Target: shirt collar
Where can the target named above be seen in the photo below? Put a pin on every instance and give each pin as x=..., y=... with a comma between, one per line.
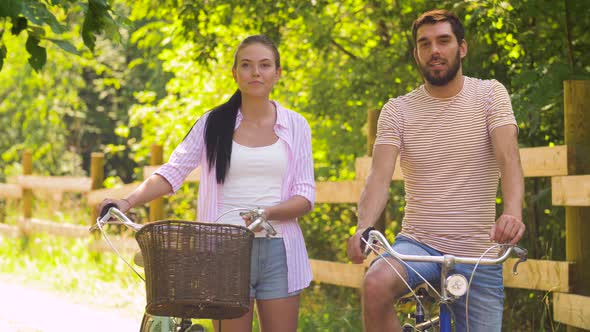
x=282, y=118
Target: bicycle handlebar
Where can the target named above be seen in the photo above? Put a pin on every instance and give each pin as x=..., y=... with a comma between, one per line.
x=112, y=210
x=259, y=220
x=370, y=235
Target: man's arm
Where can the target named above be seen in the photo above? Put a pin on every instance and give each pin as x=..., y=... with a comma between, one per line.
x=374, y=196
x=509, y=227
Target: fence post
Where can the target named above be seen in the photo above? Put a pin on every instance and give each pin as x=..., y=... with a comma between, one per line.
x=97, y=178
x=27, y=193
x=157, y=205
x=372, y=120
x=577, y=139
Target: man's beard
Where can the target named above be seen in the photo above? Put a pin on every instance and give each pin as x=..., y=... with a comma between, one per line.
x=444, y=79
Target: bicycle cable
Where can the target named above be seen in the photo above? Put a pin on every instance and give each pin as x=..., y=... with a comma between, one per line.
x=117, y=251
x=233, y=210
x=471, y=279
x=400, y=276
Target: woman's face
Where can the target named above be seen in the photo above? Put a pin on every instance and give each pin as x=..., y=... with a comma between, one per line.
x=255, y=70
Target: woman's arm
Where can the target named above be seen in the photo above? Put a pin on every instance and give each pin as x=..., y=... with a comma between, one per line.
x=294, y=207
x=170, y=176
x=302, y=191
x=153, y=187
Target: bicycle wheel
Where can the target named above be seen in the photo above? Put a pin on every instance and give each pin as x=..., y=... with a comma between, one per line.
x=151, y=323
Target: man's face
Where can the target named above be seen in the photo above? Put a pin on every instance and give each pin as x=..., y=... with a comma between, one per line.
x=438, y=53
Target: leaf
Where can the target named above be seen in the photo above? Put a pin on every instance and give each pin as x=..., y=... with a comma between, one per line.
x=10, y=8
x=94, y=22
x=38, y=53
x=18, y=25
x=38, y=13
x=65, y=45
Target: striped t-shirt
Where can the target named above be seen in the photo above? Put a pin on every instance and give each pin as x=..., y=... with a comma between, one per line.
x=450, y=172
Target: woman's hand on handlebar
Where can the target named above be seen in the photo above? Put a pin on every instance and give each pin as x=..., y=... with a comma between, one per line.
x=250, y=217
x=122, y=204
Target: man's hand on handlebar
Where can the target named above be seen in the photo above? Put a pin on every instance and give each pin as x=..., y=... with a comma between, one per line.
x=355, y=248
x=507, y=229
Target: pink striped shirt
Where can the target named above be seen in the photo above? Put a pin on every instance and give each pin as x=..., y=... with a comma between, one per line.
x=290, y=127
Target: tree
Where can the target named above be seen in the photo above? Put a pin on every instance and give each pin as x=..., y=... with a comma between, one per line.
x=43, y=21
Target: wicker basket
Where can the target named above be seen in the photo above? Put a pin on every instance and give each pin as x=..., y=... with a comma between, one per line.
x=196, y=270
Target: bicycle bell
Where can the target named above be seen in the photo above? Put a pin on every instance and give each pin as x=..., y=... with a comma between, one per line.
x=456, y=285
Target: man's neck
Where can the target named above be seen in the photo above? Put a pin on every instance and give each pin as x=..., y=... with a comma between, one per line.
x=448, y=90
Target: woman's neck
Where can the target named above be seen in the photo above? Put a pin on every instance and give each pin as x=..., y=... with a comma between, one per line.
x=256, y=108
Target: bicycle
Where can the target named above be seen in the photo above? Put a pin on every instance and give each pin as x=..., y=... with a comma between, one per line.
x=189, y=292
x=451, y=288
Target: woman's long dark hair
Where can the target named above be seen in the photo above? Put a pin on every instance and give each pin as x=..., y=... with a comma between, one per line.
x=219, y=128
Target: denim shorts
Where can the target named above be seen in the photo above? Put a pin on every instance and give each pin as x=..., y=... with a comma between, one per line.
x=268, y=270
x=486, y=294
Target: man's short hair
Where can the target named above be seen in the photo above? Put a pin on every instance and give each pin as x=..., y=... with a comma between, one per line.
x=436, y=16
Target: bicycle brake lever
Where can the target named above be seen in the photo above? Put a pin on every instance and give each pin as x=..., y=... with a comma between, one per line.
x=365, y=239
x=522, y=257
x=101, y=215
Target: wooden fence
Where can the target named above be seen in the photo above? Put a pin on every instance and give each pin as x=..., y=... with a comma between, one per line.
x=568, y=166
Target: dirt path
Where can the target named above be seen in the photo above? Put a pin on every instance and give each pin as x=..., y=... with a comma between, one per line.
x=26, y=309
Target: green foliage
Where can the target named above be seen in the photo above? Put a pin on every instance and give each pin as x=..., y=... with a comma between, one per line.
x=41, y=20
x=340, y=59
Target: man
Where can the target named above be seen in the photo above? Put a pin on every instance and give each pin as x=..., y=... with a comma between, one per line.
x=454, y=135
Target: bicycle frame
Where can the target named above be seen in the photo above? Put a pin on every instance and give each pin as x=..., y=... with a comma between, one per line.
x=447, y=263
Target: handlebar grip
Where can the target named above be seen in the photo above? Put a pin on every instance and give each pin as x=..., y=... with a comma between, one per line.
x=365, y=237
x=105, y=209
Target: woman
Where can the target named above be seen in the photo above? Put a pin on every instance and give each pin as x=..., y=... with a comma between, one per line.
x=254, y=153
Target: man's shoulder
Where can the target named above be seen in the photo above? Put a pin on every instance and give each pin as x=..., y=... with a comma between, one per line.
x=396, y=102
x=483, y=84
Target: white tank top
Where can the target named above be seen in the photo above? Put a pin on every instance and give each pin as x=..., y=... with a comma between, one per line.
x=254, y=179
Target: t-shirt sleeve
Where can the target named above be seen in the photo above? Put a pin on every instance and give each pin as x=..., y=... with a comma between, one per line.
x=499, y=108
x=389, y=125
